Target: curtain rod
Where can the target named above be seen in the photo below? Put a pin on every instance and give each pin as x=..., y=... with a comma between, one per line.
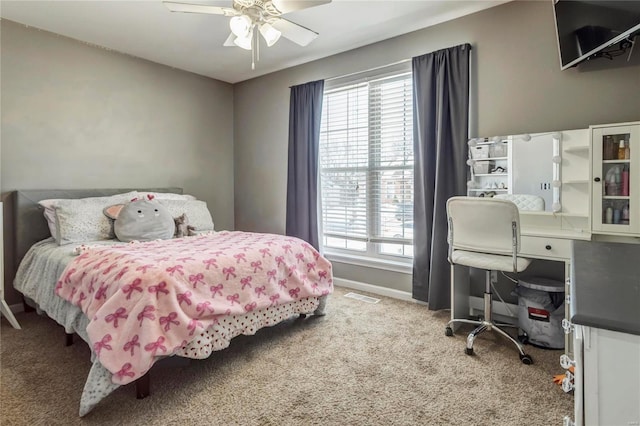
x=336, y=77
x=369, y=70
x=378, y=68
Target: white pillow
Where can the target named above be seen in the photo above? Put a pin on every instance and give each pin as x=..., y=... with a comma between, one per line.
x=50, y=214
x=198, y=214
x=167, y=196
x=82, y=219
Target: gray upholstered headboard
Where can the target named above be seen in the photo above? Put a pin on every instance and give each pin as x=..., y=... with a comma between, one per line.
x=29, y=224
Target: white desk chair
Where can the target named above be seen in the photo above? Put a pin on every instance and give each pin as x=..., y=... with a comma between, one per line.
x=484, y=233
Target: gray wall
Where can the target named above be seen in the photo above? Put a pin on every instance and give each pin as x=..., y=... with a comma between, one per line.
x=77, y=116
x=517, y=87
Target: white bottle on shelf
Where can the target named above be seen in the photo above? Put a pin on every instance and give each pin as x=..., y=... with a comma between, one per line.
x=608, y=215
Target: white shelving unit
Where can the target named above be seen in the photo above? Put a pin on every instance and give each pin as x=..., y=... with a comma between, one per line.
x=576, y=182
x=575, y=175
x=4, y=308
x=489, y=164
x=577, y=149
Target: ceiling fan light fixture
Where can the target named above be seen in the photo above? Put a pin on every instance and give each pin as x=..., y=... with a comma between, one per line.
x=240, y=25
x=244, y=41
x=270, y=34
x=248, y=17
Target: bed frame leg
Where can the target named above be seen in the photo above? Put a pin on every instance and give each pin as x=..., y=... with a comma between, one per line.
x=68, y=339
x=25, y=306
x=142, y=386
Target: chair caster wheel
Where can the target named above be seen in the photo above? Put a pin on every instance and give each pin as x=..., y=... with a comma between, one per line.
x=468, y=351
x=448, y=331
x=526, y=359
x=523, y=338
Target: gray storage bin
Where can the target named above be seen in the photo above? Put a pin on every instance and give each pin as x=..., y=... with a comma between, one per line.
x=541, y=310
x=481, y=167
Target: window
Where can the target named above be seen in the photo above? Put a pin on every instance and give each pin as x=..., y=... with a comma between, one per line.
x=366, y=166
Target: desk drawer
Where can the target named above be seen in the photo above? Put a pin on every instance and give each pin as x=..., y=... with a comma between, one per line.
x=545, y=248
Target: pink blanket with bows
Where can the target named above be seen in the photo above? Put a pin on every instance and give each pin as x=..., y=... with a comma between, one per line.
x=147, y=300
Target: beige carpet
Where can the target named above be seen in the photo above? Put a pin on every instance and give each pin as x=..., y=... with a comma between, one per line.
x=362, y=364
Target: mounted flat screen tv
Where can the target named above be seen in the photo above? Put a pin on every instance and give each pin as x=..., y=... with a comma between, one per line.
x=592, y=29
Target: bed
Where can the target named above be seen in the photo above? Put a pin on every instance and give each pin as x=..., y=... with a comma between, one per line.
x=137, y=303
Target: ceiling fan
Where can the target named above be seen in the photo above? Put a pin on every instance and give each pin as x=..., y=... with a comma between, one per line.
x=251, y=16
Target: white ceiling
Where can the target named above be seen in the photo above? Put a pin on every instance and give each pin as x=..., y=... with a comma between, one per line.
x=193, y=42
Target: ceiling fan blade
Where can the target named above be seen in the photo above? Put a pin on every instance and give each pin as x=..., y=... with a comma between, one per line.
x=229, y=41
x=286, y=6
x=294, y=32
x=200, y=8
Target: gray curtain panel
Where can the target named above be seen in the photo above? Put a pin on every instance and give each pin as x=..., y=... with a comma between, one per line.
x=441, y=128
x=305, y=113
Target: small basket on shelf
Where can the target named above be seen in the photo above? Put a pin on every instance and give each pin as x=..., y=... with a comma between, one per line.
x=479, y=152
x=499, y=149
x=481, y=167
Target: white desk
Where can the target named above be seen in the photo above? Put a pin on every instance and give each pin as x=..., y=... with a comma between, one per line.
x=4, y=308
x=542, y=237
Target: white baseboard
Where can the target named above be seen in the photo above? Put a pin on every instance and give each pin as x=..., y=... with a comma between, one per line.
x=498, y=308
x=376, y=289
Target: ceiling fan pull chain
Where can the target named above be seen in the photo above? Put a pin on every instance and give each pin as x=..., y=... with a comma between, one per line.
x=253, y=55
x=257, y=33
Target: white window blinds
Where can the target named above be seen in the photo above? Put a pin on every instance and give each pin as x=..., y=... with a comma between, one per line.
x=366, y=165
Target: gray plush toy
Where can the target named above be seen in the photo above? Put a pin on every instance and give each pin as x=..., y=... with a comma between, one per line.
x=183, y=229
x=141, y=220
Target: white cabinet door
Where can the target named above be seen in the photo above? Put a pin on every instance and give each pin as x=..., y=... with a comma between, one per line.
x=616, y=179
